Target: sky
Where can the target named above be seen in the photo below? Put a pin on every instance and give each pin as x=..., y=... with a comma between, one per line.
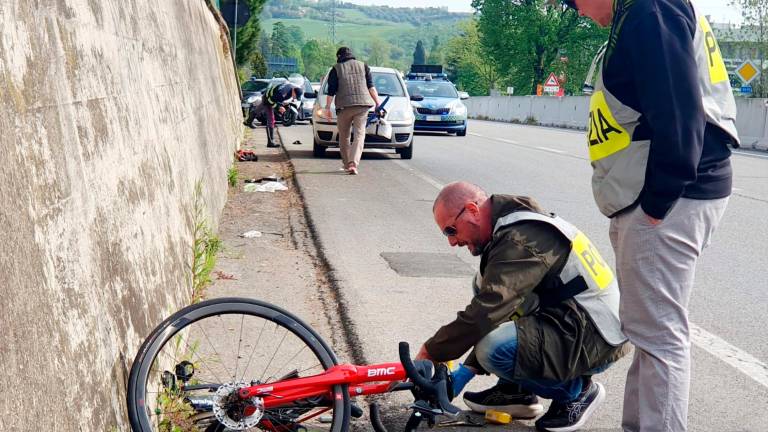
x=719, y=10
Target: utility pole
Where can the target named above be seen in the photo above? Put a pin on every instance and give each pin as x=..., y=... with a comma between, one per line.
x=333, y=22
x=235, y=45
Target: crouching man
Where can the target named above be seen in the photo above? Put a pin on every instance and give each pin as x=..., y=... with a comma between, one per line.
x=544, y=316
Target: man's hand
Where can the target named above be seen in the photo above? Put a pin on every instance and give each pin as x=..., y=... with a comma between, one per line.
x=423, y=354
x=327, y=113
x=281, y=110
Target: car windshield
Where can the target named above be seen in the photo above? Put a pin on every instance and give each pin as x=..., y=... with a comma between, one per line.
x=255, y=86
x=386, y=84
x=435, y=89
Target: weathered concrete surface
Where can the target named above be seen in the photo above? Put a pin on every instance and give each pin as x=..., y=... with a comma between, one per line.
x=110, y=112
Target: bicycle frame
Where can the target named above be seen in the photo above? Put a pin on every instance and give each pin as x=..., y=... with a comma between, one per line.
x=363, y=380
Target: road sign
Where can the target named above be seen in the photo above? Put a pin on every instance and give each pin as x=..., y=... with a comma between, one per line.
x=746, y=89
x=551, y=85
x=510, y=90
x=747, y=72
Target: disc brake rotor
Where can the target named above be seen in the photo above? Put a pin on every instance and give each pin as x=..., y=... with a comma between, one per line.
x=236, y=413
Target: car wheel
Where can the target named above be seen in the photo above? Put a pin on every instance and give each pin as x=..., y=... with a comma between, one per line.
x=318, y=150
x=406, y=152
x=462, y=132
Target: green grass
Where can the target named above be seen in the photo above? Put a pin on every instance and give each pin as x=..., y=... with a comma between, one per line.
x=348, y=32
x=205, y=246
x=232, y=176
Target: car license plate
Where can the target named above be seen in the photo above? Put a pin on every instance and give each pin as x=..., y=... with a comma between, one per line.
x=433, y=118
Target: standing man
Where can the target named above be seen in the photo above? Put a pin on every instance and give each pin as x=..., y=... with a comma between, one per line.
x=661, y=119
x=350, y=82
x=276, y=94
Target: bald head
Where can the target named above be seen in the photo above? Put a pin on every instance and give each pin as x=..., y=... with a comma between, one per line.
x=456, y=194
x=462, y=211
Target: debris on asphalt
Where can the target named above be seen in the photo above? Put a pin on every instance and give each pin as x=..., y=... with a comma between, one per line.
x=271, y=186
x=251, y=234
x=226, y=276
x=297, y=142
x=246, y=156
x=272, y=178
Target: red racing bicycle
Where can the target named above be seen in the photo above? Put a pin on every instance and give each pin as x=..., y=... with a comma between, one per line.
x=234, y=364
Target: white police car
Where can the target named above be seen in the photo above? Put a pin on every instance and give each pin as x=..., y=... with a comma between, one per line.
x=442, y=109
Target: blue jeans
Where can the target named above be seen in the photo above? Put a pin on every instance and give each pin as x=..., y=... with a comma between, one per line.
x=497, y=353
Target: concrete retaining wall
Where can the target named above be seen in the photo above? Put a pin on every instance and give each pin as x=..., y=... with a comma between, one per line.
x=573, y=111
x=110, y=112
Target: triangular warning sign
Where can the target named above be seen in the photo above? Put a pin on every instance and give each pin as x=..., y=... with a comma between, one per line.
x=552, y=81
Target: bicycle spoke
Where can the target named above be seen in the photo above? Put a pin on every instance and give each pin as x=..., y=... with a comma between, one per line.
x=274, y=354
x=256, y=345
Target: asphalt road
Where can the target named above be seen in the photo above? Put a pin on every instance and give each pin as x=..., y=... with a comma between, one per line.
x=401, y=280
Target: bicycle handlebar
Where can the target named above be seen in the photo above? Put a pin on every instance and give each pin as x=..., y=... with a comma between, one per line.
x=430, y=390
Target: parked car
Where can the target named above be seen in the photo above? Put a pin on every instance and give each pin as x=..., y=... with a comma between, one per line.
x=388, y=82
x=252, y=91
x=442, y=109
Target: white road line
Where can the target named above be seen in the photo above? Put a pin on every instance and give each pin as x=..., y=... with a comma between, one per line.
x=742, y=361
x=506, y=140
x=475, y=134
x=749, y=154
x=551, y=150
x=437, y=185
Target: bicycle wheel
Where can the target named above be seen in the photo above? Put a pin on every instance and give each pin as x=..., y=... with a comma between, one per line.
x=188, y=369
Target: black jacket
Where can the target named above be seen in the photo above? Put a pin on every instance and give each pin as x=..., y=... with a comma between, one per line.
x=652, y=69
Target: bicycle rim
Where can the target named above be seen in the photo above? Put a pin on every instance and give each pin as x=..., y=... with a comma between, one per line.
x=186, y=369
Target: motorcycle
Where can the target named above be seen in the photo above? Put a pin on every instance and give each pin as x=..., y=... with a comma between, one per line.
x=288, y=117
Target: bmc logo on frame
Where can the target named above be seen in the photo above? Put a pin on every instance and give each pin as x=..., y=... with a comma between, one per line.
x=381, y=371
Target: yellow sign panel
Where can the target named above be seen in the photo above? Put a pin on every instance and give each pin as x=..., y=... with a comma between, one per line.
x=590, y=257
x=605, y=135
x=717, y=71
x=747, y=72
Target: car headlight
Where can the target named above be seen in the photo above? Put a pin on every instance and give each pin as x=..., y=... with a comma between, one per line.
x=320, y=113
x=400, y=115
x=459, y=109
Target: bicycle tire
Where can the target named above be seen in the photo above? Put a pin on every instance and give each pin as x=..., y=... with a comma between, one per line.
x=139, y=416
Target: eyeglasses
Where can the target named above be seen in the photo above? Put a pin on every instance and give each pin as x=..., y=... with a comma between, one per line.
x=450, y=230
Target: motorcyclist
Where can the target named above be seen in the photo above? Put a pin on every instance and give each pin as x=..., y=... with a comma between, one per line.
x=273, y=97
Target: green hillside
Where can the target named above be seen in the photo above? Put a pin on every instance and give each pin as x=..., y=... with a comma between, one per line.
x=358, y=26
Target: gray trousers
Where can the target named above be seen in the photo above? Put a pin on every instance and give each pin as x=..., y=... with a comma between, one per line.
x=347, y=118
x=655, y=266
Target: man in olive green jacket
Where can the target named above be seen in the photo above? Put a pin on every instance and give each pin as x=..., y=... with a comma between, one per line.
x=544, y=317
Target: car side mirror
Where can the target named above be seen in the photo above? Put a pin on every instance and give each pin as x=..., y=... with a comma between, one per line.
x=463, y=95
x=417, y=97
x=310, y=95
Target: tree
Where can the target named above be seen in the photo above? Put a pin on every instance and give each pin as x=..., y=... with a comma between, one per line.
x=378, y=52
x=529, y=39
x=467, y=65
x=754, y=29
x=280, y=42
x=318, y=56
x=435, y=54
x=296, y=36
x=419, y=56
x=248, y=34
x=257, y=64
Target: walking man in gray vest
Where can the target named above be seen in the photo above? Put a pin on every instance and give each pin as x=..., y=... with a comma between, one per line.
x=545, y=313
x=350, y=82
x=662, y=116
